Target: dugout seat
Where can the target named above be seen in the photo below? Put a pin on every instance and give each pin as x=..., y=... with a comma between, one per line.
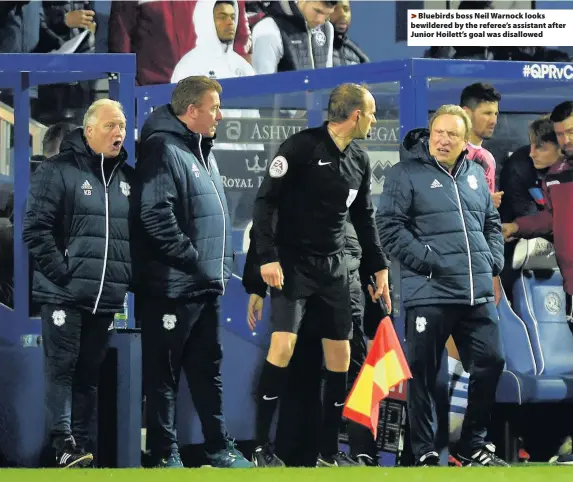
x=537, y=341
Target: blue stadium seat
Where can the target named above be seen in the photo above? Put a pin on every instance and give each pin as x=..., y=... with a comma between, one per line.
x=537, y=341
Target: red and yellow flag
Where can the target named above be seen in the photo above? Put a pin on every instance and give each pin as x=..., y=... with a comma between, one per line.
x=384, y=368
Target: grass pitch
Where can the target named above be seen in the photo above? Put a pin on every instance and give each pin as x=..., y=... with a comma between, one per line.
x=531, y=473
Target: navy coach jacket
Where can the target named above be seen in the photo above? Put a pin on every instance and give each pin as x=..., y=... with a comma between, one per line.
x=442, y=227
x=183, y=212
x=77, y=228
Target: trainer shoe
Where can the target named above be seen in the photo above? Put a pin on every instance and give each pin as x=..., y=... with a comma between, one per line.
x=563, y=455
x=563, y=459
x=263, y=456
x=429, y=459
x=70, y=456
x=340, y=459
x=229, y=458
x=172, y=461
x=483, y=457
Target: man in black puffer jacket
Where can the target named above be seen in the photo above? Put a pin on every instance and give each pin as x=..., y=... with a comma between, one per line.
x=186, y=263
x=437, y=217
x=77, y=230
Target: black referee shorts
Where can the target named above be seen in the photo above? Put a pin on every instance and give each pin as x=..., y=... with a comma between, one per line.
x=319, y=284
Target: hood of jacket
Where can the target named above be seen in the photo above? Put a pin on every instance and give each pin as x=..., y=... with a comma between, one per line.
x=205, y=29
x=288, y=9
x=340, y=39
x=164, y=120
x=415, y=147
x=76, y=142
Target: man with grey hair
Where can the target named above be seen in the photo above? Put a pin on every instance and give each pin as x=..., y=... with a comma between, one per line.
x=77, y=230
x=437, y=218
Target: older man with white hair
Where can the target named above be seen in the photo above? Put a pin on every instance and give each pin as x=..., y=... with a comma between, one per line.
x=437, y=217
x=77, y=231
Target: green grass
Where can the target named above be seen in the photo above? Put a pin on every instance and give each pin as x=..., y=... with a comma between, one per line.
x=533, y=473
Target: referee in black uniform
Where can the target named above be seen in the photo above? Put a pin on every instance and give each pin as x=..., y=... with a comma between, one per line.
x=317, y=177
x=300, y=412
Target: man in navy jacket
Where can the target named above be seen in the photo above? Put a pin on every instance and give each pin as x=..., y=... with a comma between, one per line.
x=77, y=229
x=437, y=217
x=186, y=262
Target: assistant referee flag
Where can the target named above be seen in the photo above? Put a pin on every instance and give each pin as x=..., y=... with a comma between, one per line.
x=384, y=368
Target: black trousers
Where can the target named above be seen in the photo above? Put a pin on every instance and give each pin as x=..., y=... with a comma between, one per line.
x=182, y=335
x=75, y=344
x=300, y=408
x=476, y=334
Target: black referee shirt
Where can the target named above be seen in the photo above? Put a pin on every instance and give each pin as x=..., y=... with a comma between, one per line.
x=311, y=185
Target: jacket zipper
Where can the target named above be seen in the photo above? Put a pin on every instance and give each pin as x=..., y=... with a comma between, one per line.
x=106, y=184
x=222, y=211
x=310, y=50
x=465, y=229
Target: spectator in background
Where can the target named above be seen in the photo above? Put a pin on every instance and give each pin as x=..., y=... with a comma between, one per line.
x=161, y=33
x=21, y=23
x=474, y=51
x=256, y=11
x=51, y=143
x=77, y=231
x=558, y=192
x=295, y=35
x=213, y=56
x=481, y=103
x=522, y=179
x=345, y=52
x=523, y=173
x=66, y=20
x=54, y=137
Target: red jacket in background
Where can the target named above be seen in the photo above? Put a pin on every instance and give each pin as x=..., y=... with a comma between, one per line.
x=558, y=191
x=161, y=33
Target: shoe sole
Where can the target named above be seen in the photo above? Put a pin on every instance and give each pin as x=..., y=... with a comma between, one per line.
x=556, y=462
x=81, y=462
x=255, y=465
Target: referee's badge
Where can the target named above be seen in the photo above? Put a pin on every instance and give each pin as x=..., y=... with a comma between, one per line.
x=278, y=167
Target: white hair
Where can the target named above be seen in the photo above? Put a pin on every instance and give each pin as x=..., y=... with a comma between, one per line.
x=91, y=114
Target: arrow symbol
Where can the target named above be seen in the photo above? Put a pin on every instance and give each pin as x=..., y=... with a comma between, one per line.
x=413, y=15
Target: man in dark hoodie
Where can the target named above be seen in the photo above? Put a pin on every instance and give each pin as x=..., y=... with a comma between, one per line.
x=437, y=217
x=345, y=51
x=186, y=247
x=77, y=230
